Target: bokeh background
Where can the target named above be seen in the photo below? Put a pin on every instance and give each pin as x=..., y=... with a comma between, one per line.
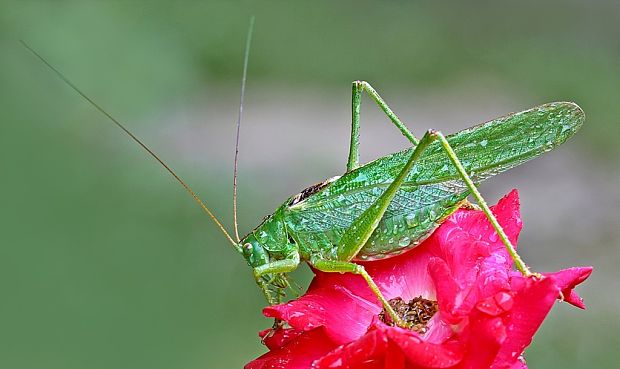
x=106, y=263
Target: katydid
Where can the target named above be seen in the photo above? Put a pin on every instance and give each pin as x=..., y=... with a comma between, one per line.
x=391, y=204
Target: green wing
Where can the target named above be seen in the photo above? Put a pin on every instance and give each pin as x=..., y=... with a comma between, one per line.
x=433, y=189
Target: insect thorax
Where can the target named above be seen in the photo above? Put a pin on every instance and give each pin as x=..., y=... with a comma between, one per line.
x=304, y=194
x=268, y=242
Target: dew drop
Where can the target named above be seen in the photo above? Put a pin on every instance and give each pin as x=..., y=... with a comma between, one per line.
x=484, y=143
x=410, y=219
x=404, y=241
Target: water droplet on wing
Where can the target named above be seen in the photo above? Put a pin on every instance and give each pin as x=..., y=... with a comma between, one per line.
x=411, y=221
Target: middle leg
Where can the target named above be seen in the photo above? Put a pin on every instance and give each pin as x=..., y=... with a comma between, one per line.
x=362, y=228
x=334, y=266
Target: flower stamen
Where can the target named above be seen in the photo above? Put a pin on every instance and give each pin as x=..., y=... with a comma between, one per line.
x=416, y=313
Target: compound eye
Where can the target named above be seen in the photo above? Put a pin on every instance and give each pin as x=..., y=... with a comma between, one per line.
x=247, y=247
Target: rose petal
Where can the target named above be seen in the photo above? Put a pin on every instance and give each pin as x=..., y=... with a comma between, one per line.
x=532, y=301
x=298, y=353
x=567, y=279
x=316, y=309
x=389, y=347
x=274, y=339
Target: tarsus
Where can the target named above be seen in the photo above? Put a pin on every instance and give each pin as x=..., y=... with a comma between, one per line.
x=133, y=137
x=246, y=57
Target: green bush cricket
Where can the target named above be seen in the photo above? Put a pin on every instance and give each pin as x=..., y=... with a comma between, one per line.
x=389, y=205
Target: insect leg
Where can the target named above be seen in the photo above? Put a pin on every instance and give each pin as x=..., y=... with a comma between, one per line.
x=361, y=229
x=279, y=266
x=275, y=267
x=358, y=87
x=485, y=208
x=333, y=266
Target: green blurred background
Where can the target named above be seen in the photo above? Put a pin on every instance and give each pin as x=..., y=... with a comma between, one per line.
x=106, y=263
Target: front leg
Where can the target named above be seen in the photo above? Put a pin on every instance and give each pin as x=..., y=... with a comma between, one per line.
x=275, y=269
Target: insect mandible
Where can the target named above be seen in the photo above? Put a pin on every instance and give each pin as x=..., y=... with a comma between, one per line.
x=387, y=206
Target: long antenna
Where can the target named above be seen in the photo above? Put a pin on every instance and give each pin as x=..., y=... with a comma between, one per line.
x=246, y=57
x=133, y=137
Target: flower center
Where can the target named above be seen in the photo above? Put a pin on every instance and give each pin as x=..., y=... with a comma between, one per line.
x=416, y=313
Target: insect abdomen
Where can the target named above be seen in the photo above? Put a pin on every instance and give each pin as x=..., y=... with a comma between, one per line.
x=413, y=215
x=402, y=230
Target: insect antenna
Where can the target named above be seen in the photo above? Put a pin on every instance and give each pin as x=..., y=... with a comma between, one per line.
x=201, y=203
x=246, y=57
